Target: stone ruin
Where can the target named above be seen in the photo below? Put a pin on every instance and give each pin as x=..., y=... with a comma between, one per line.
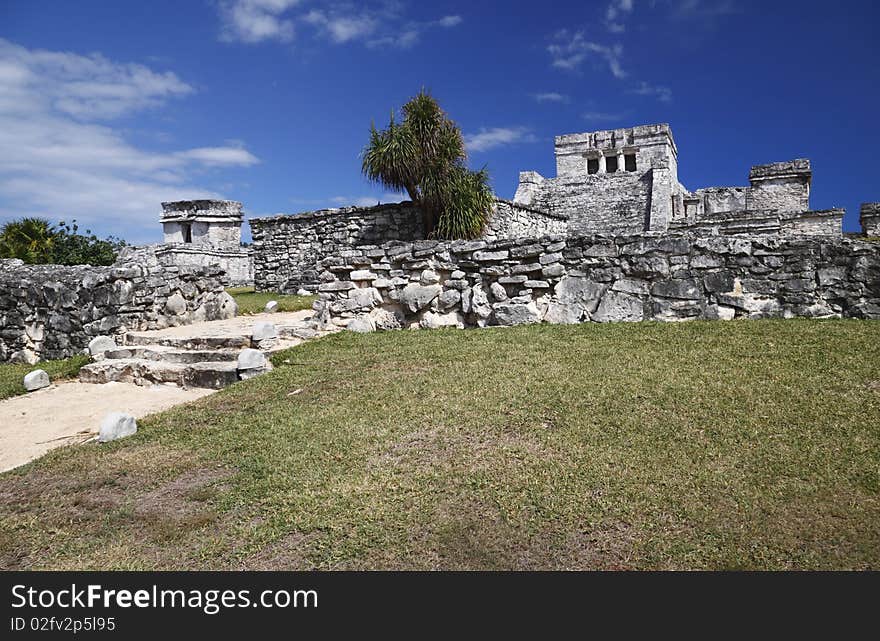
x=54, y=311
x=613, y=237
x=625, y=181
x=203, y=233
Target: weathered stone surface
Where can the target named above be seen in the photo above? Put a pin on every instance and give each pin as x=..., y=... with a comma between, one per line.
x=489, y=256
x=416, y=297
x=687, y=289
x=564, y=313
x=176, y=305
x=498, y=291
x=38, y=379
x=99, y=345
x=634, y=278
x=579, y=291
x=511, y=313
x=251, y=359
x=429, y=277
x=616, y=306
x=362, y=274
x=433, y=320
x=271, y=306
x=449, y=298
x=362, y=324
x=54, y=311
x=116, y=425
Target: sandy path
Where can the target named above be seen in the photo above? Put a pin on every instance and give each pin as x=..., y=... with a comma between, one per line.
x=237, y=326
x=35, y=423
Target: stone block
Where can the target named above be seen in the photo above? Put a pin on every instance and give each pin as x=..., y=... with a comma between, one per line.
x=38, y=379
x=116, y=425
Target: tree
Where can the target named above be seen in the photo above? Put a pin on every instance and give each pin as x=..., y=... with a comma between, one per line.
x=37, y=241
x=29, y=239
x=73, y=248
x=425, y=155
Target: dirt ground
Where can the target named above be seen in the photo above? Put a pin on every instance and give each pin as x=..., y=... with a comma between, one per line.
x=33, y=424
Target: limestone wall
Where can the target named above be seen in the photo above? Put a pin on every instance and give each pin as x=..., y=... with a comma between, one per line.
x=602, y=203
x=52, y=311
x=828, y=222
x=598, y=278
x=510, y=220
x=237, y=265
x=286, y=248
x=869, y=215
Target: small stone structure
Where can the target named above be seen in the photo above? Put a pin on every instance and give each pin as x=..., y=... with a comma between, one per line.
x=557, y=279
x=870, y=219
x=203, y=233
x=287, y=247
x=625, y=181
x=53, y=311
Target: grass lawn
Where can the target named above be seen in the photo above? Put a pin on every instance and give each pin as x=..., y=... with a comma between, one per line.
x=252, y=302
x=11, y=376
x=748, y=444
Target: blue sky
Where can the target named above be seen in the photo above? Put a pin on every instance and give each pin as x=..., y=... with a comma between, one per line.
x=107, y=108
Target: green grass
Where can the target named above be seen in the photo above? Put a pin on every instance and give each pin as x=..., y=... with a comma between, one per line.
x=704, y=445
x=11, y=376
x=253, y=302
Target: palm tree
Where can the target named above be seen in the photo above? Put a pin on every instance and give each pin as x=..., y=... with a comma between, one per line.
x=425, y=155
x=30, y=239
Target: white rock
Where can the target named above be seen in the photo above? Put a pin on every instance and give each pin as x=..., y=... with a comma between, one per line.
x=176, y=304
x=263, y=330
x=228, y=306
x=38, y=379
x=99, y=345
x=429, y=277
x=303, y=292
x=251, y=359
x=116, y=425
x=361, y=325
x=432, y=320
x=272, y=306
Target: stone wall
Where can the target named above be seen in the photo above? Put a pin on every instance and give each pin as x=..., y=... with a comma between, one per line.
x=618, y=203
x=287, y=248
x=53, y=311
x=510, y=220
x=869, y=215
x=237, y=265
x=828, y=222
x=598, y=278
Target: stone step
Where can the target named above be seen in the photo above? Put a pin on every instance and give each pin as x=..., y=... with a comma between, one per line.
x=193, y=343
x=171, y=355
x=212, y=375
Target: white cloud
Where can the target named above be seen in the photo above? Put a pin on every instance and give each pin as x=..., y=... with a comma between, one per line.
x=253, y=21
x=219, y=156
x=569, y=51
x=88, y=87
x=449, y=21
x=663, y=94
x=487, y=139
x=616, y=14
x=550, y=97
x=342, y=28
x=57, y=162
